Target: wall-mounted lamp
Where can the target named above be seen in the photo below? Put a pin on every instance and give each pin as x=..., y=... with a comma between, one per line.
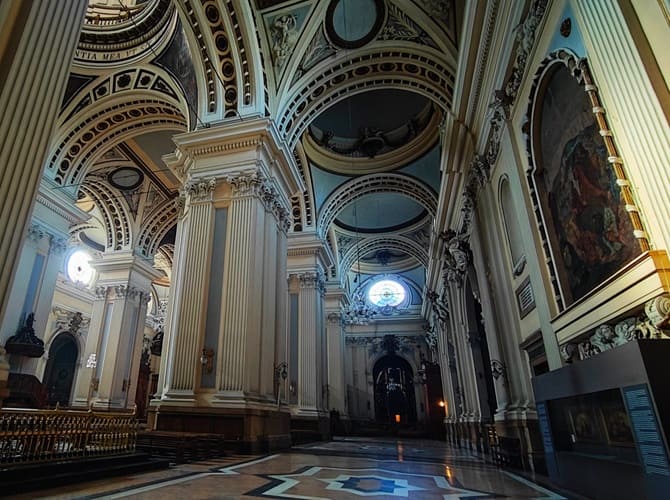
x=207, y=359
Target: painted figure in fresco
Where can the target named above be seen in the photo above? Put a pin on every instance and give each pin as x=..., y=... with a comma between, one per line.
x=594, y=231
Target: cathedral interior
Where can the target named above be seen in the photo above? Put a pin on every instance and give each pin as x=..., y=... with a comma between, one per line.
x=280, y=221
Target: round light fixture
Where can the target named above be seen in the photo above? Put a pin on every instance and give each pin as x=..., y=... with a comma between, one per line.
x=78, y=268
x=387, y=293
x=125, y=178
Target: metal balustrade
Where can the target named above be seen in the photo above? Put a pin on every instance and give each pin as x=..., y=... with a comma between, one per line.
x=34, y=436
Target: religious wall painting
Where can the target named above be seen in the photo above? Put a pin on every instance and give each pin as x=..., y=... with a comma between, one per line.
x=590, y=232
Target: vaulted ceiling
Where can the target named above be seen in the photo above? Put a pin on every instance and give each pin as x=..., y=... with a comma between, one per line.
x=357, y=88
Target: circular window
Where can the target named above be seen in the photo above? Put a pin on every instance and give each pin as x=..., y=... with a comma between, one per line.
x=386, y=293
x=125, y=178
x=353, y=23
x=78, y=267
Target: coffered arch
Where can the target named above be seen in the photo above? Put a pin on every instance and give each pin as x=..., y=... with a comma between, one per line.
x=115, y=214
x=155, y=226
x=371, y=69
x=84, y=138
x=358, y=187
x=385, y=242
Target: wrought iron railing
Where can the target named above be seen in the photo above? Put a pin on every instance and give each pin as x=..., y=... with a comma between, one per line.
x=33, y=436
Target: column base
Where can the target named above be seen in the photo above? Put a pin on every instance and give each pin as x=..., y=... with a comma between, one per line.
x=254, y=430
x=109, y=404
x=308, y=426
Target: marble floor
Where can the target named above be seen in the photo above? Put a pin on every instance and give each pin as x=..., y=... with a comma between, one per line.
x=342, y=469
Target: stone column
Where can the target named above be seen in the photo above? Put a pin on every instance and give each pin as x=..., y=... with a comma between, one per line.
x=116, y=331
x=30, y=96
x=337, y=395
x=633, y=101
x=310, y=340
x=183, y=328
x=229, y=293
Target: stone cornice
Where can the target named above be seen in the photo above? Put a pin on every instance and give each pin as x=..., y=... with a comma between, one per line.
x=308, y=244
x=58, y=201
x=254, y=140
x=396, y=158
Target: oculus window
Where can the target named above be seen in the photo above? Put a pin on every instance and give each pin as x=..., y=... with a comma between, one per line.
x=387, y=293
x=78, y=268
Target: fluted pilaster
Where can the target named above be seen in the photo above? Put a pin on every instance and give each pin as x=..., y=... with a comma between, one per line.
x=639, y=125
x=29, y=100
x=187, y=312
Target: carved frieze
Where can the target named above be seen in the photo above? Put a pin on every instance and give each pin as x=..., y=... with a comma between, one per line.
x=74, y=322
x=607, y=337
x=284, y=34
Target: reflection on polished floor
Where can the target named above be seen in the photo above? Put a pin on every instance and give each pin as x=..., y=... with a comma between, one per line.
x=342, y=469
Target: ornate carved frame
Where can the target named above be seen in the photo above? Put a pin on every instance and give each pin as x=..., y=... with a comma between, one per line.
x=579, y=69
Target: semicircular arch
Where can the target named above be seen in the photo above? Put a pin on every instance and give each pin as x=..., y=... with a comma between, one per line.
x=159, y=221
x=114, y=213
x=356, y=188
x=371, y=69
x=390, y=242
x=116, y=119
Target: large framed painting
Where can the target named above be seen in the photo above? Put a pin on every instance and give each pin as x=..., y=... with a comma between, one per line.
x=582, y=209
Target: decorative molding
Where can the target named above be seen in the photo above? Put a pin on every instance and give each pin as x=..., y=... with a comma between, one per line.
x=579, y=69
x=72, y=321
x=36, y=232
x=246, y=184
x=503, y=99
x=658, y=310
x=205, y=59
x=102, y=292
x=457, y=257
x=439, y=306
x=366, y=71
x=225, y=52
x=200, y=190
x=57, y=245
x=74, y=153
x=124, y=291
x=606, y=337
x=498, y=369
x=315, y=280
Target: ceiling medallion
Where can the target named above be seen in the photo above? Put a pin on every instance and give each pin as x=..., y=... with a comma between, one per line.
x=125, y=178
x=350, y=24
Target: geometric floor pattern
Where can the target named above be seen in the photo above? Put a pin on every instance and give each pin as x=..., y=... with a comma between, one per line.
x=343, y=469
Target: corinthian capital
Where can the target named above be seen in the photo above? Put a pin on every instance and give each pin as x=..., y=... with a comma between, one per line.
x=201, y=189
x=247, y=184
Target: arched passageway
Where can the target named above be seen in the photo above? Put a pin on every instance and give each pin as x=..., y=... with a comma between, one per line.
x=59, y=373
x=394, y=390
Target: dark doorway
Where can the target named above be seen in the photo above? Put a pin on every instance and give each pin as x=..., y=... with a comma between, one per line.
x=59, y=373
x=480, y=356
x=394, y=390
